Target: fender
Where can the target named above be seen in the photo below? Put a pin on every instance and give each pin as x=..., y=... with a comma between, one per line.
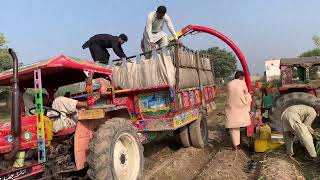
x=88, y=122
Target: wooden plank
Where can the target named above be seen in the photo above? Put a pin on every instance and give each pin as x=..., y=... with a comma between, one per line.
x=91, y=114
x=177, y=64
x=201, y=85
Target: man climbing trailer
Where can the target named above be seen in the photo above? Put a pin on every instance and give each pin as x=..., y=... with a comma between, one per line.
x=98, y=45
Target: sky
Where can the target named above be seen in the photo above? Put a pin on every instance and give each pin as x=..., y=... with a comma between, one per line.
x=39, y=29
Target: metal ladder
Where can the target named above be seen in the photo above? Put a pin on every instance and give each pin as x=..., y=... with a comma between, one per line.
x=39, y=116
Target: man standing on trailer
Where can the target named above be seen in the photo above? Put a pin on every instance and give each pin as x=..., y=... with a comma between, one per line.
x=153, y=33
x=98, y=45
x=237, y=107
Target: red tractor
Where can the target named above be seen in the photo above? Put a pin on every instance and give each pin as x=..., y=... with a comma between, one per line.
x=100, y=134
x=299, y=85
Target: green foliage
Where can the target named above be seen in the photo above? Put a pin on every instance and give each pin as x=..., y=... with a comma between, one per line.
x=222, y=61
x=313, y=73
x=5, y=59
x=311, y=53
x=316, y=40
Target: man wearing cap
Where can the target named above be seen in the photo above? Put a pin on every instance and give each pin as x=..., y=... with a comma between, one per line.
x=296, y=121
x=98, y=45
x=153, y=33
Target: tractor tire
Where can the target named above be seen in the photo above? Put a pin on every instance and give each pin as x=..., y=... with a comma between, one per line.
x=285, y=101
x=184, y=136
x=198, y=131
x=116, y=152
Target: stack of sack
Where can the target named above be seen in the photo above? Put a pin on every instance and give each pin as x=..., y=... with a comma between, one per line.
x=206, y=76
x=160, y=70
x=140, y=72
x=188, y=75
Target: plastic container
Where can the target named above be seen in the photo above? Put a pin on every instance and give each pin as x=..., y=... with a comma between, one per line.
x=265, y=132
x=261, y=145
x=275, y=144
x=276, y=141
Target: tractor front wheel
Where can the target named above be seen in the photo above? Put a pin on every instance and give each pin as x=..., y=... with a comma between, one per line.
x=115, y=152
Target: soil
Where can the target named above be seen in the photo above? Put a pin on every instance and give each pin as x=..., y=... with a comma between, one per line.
x=165, y=159
x=171, y=162
x=280, y=168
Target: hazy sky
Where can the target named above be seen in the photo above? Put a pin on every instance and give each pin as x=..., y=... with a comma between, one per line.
x=262, y=29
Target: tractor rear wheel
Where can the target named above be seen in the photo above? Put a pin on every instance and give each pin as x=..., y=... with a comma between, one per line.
x=115, y=152
x=285, y=101
x=198, y=131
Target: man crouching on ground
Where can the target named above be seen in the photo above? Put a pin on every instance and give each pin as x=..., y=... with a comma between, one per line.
x=296, y=121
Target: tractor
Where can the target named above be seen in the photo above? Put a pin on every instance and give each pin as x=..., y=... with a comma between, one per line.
x=299, y=85
x=105, y=143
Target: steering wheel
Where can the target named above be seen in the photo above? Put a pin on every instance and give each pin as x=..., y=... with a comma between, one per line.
x=54, y=115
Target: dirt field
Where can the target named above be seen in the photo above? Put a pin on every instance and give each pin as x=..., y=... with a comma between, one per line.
x=165, y=160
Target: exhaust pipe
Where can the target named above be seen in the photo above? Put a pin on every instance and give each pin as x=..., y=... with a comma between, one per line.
x=16, y=111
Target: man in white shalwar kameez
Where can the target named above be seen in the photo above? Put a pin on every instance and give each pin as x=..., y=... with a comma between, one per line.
x=237, y=108
x=153, y=33
x=296, y=121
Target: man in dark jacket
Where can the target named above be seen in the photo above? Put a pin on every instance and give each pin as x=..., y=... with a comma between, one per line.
x=98, y=45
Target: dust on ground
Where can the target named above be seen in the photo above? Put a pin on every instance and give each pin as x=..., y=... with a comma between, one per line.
x=227, y=164
x=165, y=159
x=282, y=168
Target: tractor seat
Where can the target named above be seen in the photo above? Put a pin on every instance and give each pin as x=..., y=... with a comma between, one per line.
x=65, y=132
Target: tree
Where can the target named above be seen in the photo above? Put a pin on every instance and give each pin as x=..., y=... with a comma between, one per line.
x=5, y=59
x=223, y=62
x=311, y=53
x=316, y=40
x=314, y=52
x=5, y=63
